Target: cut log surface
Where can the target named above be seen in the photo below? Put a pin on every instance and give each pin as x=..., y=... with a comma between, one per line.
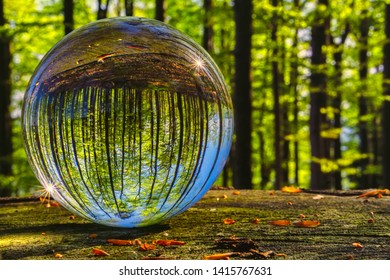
x=338, y=227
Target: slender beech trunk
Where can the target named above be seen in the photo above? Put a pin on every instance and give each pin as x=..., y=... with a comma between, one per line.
x=160, y=10
x=318, y=100
x=6, y=147
x=276, y=94
x=129, y=8
x=362, y=100
x=242, y=94
x=386, y=102
x=207, y=41
x=294, y=90
x=68, y=16
x=102, y=9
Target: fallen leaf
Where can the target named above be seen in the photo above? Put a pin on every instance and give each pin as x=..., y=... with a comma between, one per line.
x=302, y=216
x=120, y=242
x=272, y=193
x=72, y=217
x=256, y=221
x=370, y=221
x=282, y=255
x=289, y=203
x=357, y=245
x=291, y=189
x=375, y=193
x=137, y=242
x=280, y=223
x=99, y=252
x=92, y=235
x=54, y=204
x=307, y=224
x=263, y=254
x=222, y=256
x=58, y=256
x=147, y=247
x=236, y=193
x=318, y=197
x=228, y=221
x=169, y=242
x=43, y=233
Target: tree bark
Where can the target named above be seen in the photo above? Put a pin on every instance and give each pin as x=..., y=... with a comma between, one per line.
x=160, y=10
x=294, y=91
x=276, y=94
x=102, y=9
x=386, y=102
x=362, y=100
x=6, y=147
x=68, y=16
x=242, y=94
x=207, y=41
x=129, y=8
x=318, y=101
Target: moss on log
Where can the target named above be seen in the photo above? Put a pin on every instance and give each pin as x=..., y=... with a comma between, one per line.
x=29, y=230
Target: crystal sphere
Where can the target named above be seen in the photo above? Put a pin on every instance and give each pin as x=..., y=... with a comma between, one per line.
x=127, y=122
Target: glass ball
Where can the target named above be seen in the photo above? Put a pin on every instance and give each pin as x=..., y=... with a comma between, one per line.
x=127, y=122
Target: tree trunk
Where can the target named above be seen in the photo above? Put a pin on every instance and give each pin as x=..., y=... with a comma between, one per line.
x=294, y=90
x=207, y=27
x=6, y=147
x=318, y=101
x=363, y=102
x=276, y=94
x=102, y=9
x=160, y=10
x=129, y=8
x=242, y=94
x=68, y=16
x=284, y=107
x=386, y=102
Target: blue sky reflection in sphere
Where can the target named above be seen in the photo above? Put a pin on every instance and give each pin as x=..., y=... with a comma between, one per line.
x=127, y=122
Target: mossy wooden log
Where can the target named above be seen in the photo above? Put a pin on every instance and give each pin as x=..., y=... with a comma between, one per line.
x=29, y=230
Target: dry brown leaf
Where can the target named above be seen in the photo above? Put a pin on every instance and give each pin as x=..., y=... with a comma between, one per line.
x=92, y=235
x=137, y=242
x=371, y=221
x=280, y=223
x=222, y=256
x=72, y=217
x=256, y=221
x=99, y=252
x=120, y=242
x=357, y=245
x=307, y=224
x=166, y=242
x=58, y=256
x=318, y=197
x=229, y=221
x=302, y=216
x=236, y=193
x=282, y=255
x=375, y=193
x=291, y=189
x=147, y=247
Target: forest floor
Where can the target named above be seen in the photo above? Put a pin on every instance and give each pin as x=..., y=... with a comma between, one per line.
x=223, y=224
